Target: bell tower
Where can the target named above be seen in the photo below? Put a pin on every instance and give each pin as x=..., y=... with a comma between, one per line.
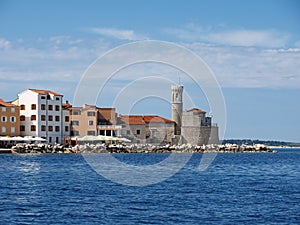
x=177, y=91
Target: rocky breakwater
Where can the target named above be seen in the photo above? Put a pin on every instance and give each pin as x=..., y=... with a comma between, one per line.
x=41, y=148
x=184, y=148
x=188, y=148
x=139, y=148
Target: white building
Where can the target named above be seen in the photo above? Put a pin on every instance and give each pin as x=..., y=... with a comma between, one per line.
x=42, y=115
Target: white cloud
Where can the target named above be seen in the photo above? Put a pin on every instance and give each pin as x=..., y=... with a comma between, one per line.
x=237, y=37
x=48, y=62
x=261, y=38
x=242, y=67
x=58, y=40
x=118, y=33
x=52, y=61
x=4, y=44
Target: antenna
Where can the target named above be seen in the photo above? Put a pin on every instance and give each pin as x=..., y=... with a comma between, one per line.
x=179, y=80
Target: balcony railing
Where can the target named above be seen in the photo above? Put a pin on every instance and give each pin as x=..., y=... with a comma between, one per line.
x=109, y=127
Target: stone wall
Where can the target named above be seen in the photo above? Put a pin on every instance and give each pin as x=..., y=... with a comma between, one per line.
x=160, y=133
x=200, y=135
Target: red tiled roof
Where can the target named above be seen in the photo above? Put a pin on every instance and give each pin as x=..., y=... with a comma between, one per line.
x=45, y=92
x=136, y=120
x=139, y=120
x=156, y=119
x=196, y=110
x=6, y=104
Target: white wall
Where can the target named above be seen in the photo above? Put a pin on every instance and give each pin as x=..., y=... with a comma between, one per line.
x=29, y=97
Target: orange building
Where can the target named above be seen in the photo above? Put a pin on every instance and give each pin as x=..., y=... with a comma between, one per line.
x=9, y=119
x=91, y=120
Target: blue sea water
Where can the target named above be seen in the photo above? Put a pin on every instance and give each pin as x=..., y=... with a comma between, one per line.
x=256, y=188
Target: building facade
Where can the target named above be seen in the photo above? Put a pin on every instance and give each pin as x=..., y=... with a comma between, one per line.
x=197, y=128
x=147, y=129
x=10, y=119
x=91, y=120
x=42, y=115
x=192, y=126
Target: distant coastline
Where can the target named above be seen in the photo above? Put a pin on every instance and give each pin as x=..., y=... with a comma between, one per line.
x=271, y=144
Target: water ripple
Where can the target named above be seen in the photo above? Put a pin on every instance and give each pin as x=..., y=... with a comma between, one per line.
x=235, y=189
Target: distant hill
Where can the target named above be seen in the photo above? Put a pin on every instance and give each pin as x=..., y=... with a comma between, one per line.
x=251, y=142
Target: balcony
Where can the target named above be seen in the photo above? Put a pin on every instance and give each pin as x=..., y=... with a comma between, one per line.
x=109, y=127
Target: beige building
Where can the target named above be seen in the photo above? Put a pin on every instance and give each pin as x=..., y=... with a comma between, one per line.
x=147, y=129
x=91, y=120
x=10, y=119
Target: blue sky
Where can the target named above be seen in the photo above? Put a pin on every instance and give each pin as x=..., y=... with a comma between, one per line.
x=253, y=48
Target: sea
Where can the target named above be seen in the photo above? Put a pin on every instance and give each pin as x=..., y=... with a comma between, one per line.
x=236, y=188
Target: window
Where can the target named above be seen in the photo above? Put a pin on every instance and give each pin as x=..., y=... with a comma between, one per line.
x=3, y=119
x=12, y=119
x=56, y=139
x=12, y=109
x=33, y=106
x=22, y=107
x=22, y=118
x=48, y=97
x=50, y=118
x=91, y=113
x=57, y=98
x=138, y=132
x=57, y=107
x=3, y=129
x=57, y=128
x=75, y=112
x=50, y=107
x=75, y=123
x=57, y=118
x=32, y=128
x=43, y=107
x=50, y=138
x=74, y=133
x=91, y=132
x=50, y=128
x=3, y=109
x=12, y=130
x=128, y=132
x=43, y=97
x=67, y=118
x=43, y=118
x=91, y=123
x=33, y=117
x=66, y=128
x=22, y=128
x=43, y=128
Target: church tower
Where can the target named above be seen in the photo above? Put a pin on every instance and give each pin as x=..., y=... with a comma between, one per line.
x=177, y=91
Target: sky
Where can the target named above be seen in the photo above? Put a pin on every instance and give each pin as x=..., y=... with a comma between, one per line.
x=252, y=47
